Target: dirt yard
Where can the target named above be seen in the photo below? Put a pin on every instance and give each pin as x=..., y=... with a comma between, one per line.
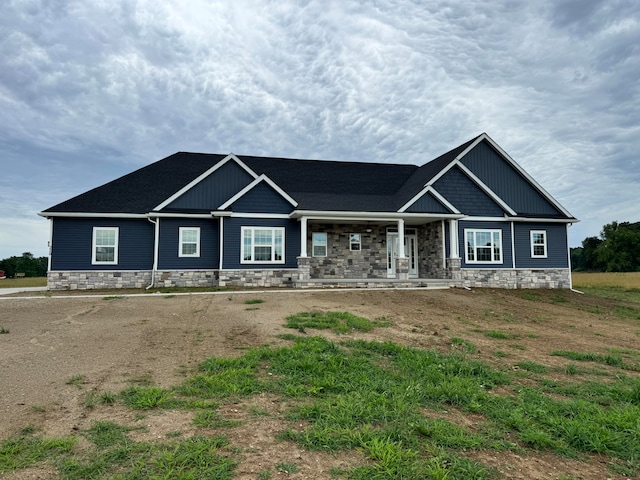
x=58, y=350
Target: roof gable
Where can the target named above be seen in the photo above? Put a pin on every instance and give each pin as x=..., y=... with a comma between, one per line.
x=502, y=177
x=217, y=185
x=261, y=196
x=467, y=197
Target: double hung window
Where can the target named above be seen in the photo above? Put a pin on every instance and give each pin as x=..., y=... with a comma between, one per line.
x=483, y=246
x=262, y=245
x=319, y=244
x=104, y=246
x=189, y=245
x=538, y=244
x=354, y=242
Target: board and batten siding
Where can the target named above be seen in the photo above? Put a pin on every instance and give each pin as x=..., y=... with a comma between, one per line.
x=233, y=241
x=214, y=190
x=557, y=256
x=72, y=243
x=506, y=181
x=168, y=245
x=427, y=204
x=505, y=227
x=466, y=196
x=262, y=199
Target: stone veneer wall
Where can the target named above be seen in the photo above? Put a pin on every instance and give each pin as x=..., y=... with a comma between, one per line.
x=340, y=262
x=185, y=278
x=430, y=262
x=257, y=278
x=519, y=278
x=89, y=279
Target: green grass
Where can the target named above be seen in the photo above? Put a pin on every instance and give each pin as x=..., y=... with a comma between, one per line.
x=387, y=401
x=610, y=359
x=76, y=380
x=253, y=301
x=23, y=282
x=498, y=334
x=339, y=322
x=3, y=331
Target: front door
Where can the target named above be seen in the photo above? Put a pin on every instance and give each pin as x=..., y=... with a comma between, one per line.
x=410, y=250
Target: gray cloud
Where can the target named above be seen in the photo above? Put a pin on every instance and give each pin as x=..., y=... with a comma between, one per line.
x=92, y=90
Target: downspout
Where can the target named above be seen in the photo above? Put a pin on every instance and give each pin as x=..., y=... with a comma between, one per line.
x=156, y=241
x=569, y=263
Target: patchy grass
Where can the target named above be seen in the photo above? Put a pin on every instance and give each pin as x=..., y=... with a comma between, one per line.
x=339, y=322
x=253, y=301
x=3, y=331
x=627, y=281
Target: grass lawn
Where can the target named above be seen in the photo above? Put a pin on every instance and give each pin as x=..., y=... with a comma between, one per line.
x=23, y=282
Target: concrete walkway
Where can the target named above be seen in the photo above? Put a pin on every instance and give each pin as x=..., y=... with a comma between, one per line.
x=9, y=291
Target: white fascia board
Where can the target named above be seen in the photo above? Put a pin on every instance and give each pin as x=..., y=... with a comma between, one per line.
x=248, y=188
x=543, y=220
x=193, y=183
x=92, y=215
x=522, y=171
x=485, y=188
x=368, y=216
x=258, y=215
x=424, y=191
x=179, y=215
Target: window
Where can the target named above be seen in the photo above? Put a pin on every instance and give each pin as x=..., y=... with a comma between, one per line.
x=354, y=241
x=105, y=246
x=319, y=244
x=483, y=246
x=262, y=245
x=189, y=245
x=538, y=244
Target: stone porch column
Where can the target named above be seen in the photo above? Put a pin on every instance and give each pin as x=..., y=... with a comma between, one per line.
x=402, y=268
x=304, y=269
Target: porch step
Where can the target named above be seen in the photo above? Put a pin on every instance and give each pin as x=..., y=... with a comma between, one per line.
x=434, y=283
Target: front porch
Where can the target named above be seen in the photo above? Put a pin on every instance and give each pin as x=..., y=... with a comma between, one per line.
x=383, y=254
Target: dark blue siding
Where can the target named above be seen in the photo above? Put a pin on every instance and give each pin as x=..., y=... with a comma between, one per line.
x=72, y=239
x=556, y=245
x=262, y=199
x=214, y=190
x=506, y=182
x=428, y=204
x=506, y=243
x=168, y=258
x=232, y=241
x=466, y=196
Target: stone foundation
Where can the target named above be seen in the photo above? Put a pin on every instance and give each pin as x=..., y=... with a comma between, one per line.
x=89, y=280
x=519, y=278
x=186, y=278
x=257, y=278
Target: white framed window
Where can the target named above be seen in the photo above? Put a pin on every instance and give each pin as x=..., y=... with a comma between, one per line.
x=104, y=248
x=538, y=244
x=262, y=245
x=319, y=244
x=354, y=242
x=483, y=246
x=189, y=243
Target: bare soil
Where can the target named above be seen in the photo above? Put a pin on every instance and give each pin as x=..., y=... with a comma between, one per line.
x=114, y=342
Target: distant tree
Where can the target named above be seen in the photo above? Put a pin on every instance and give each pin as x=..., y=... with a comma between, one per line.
x=620, y=247
x=27, y=264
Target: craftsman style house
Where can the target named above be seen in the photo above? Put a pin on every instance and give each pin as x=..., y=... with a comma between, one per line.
x=471, y=217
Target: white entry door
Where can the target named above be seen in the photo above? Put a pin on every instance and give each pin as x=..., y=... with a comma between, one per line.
x=410, y=250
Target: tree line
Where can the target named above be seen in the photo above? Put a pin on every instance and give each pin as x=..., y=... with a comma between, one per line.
x=27, y=264
x=617, y=249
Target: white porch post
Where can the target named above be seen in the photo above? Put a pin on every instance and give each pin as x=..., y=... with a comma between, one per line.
x=453, y=239
x=401, y=253
x=303, y=236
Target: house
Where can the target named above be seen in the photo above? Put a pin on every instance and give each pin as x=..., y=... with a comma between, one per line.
x=471, y=217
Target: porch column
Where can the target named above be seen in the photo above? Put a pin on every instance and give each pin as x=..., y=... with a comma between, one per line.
x=303, y=236
x=401, y=253
x=402, y=262
x=454, y=251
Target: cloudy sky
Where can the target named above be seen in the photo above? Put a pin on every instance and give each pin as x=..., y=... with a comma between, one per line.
x=93, y=89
